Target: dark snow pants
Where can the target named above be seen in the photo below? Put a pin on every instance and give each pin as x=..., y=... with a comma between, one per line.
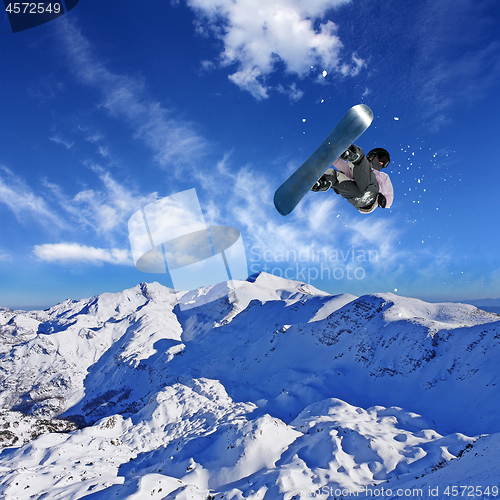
x=361, y=191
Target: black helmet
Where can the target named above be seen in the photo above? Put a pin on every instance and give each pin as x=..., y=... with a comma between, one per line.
x=382, y=156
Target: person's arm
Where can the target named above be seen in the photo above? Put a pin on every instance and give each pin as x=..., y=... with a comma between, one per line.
x=385, y=187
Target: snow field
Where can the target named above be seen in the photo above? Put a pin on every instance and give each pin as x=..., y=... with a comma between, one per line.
x=275, y=391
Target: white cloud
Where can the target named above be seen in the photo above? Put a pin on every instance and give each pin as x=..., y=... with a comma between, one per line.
x=75, y=253
x=103, y=151
x=322, y=224
x=248, y=79
x=381, y=234
x=458, y=59
x=106, y=210
x=92, y=137
x=257, y=34
x=24, y=203
x=174, y=142
x=354, y=68
x=293, y=92
x=5, y=256
x=249, y=207
x=46, y=89
x=58, y=140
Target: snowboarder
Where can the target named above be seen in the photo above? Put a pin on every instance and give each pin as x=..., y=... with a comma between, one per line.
x=358, y=178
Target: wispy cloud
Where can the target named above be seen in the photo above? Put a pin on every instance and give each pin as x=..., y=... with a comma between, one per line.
x=353, y=69
x=103, y=151
x=70, y=253
x=456, y=61
x=91, y=136
x=259, y=36
x=175, y=142
x=468, y=79
x=103, y=210
x=59, y=140
x=46, y=89
x=100, y=213
x=27, y=206
x=381, y=234
x=292, y=92
x=322, y=222
x=5, y=256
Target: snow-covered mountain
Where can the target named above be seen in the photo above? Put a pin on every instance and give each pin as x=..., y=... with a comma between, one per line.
x=275, y=391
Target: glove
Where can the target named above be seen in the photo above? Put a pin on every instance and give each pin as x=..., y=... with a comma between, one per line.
x=353, y=153
x=381, y=200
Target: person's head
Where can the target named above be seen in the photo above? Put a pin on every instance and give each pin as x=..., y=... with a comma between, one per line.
x=379, y=158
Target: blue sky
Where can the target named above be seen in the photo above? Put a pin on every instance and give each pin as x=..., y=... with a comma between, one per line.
x=116, y=105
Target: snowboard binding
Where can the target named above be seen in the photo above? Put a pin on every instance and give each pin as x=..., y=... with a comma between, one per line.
x=322, y=185
x=326, y=181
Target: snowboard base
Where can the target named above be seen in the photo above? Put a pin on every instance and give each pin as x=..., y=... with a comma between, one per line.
x=352, y=125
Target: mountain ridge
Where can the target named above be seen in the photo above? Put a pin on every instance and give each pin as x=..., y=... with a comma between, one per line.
x=151, y=379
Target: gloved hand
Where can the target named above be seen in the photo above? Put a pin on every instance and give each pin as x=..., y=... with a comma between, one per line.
x=353, y=153
x=382, y=202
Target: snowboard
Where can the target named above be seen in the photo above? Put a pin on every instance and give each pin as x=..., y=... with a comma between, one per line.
x=352, y=125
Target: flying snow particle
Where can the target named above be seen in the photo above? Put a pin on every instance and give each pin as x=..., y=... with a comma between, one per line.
x=395, y=289
x=396, y=118
x=325, y=73
x=304, y=120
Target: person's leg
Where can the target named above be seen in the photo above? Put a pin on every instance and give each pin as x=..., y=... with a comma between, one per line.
x=326, y=181
x=346, y=187
x=364, y=180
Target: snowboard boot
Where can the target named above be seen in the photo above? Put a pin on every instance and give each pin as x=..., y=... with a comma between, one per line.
x=326, y=181
x=353, y=154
